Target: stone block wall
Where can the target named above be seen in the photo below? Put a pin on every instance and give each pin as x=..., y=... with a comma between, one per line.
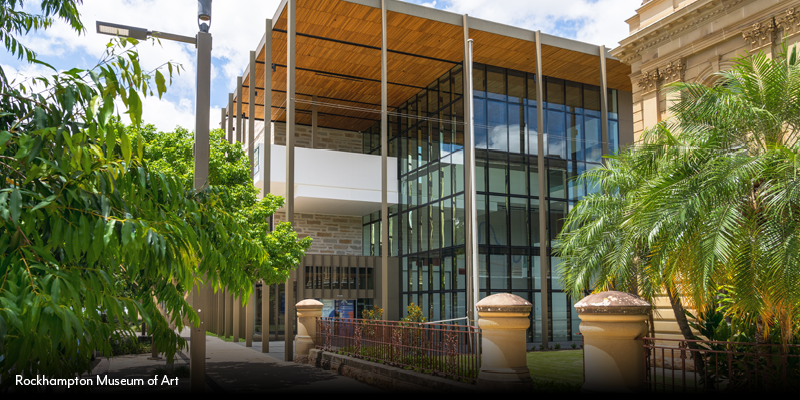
x=332, y=234
x=330, y=139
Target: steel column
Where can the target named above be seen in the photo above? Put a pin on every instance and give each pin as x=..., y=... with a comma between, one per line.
x=544, y=249
x=471, y=259
x=384, y=170
x=603, y=101
x=265, y=163
x=291, y=18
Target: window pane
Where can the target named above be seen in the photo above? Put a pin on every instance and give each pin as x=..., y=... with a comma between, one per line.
x=613, y=136
x=425, y=233
x=520, y=272
x=613, y=112
x=519, y=221
x=533, y=131
x=462, y=276
x=458, y=223
x=499, y=271
x=498, y=126
x=365, y=240
x=594, y=144
x=481, y=211
x=483, y=273
x=498, y=221
x=516, y=128
x=478, y=80
x=534, y=225
x=556, y=179
x=516, y=86
x=497, y=174
x=447, y=177
x=556, y=140
x=574, y=99
x=555, y=93
x=575, y=139
x=480, y=123
x=480, y=175
x=533, y=178
x=447, y=224
x=591, y=100
x=436, y=179
x=495, y=83
x=560, y=333
x=537, y=272
x=517, y=179
x=558, y=211
x=531, y=93
x=435, y=227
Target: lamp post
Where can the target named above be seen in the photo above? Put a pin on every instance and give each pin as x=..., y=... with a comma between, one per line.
x=202, y=41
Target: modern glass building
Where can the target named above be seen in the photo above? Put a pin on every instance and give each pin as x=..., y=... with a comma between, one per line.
x=527, y=87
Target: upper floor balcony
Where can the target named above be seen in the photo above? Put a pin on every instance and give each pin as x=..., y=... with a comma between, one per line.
x=331, y=182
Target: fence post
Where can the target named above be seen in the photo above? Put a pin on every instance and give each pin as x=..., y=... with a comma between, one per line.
x=611, y=324
x=503, y=321
x=307, y=312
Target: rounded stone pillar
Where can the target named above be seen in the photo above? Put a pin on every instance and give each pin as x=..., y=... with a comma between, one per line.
x=611, y=323
x=503, y=322
x=307, y=312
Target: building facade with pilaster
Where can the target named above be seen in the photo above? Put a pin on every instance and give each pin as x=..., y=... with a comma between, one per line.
x=429, y=155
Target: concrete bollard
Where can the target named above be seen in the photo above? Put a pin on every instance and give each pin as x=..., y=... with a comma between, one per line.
x=611, y=323
x=307, y=312
x=503, y=322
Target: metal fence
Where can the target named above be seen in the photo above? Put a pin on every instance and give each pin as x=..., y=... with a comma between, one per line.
x=449, y=351
x=676, y=365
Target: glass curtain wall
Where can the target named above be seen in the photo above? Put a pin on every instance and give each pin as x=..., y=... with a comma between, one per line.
x=427, y=227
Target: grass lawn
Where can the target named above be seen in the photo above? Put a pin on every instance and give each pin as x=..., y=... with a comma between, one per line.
x=556, y=371
x=227, y=339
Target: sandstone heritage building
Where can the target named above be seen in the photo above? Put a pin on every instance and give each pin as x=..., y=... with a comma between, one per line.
x=479, y=160
x=690, y=40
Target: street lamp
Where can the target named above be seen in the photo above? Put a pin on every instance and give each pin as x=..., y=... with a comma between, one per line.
x=202, y=152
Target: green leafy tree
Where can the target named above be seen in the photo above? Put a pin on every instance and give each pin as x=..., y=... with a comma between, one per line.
x=79, y=205
x=709, y=199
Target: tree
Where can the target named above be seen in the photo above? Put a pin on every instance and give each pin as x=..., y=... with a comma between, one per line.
x=713, y=201
x=79, y=205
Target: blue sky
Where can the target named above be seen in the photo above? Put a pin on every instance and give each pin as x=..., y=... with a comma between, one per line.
x=237, y=27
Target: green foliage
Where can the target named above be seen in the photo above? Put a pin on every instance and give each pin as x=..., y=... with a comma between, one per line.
x=81, y=209
x=414, y=314
x=375, y=314
x=708, y=198
x=574, y=346
x=558, y=346
x=128, y=345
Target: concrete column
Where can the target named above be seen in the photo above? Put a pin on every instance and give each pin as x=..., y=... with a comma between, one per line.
x=250, y=320
x=222, y=118
x=237, y=314
x=503, y=321
x=307, y=313
x=544, y=249
x=613, y=358
x=291, y=41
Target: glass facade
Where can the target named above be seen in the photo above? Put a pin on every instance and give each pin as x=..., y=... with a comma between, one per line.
x=427, y=226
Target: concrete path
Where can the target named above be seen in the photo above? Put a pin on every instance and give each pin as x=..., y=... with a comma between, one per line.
x=231, y=368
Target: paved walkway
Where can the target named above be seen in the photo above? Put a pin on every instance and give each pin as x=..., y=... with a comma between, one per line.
x=231, y=368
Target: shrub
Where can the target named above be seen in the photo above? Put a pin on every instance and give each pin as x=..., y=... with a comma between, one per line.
x=574, y=346
x=558, y=346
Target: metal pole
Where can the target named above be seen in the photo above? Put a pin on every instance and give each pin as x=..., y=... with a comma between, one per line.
x=384, y=171
x=291, y=19
x=544, y=251
x=238, y=131
x=266, y=155
x=251, y=112
x=202, y=154
x=229, y=133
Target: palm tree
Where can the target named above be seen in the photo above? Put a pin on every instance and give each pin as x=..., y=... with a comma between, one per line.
x=709, y=198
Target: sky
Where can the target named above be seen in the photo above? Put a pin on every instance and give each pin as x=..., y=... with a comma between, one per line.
x=592, y=21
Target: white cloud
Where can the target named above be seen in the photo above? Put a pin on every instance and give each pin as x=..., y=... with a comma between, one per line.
x=597, y=22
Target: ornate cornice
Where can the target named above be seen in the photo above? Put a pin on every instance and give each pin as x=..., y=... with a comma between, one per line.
x=648, y=81
x=789, y=21
x=761, y=34
x=667, y=73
